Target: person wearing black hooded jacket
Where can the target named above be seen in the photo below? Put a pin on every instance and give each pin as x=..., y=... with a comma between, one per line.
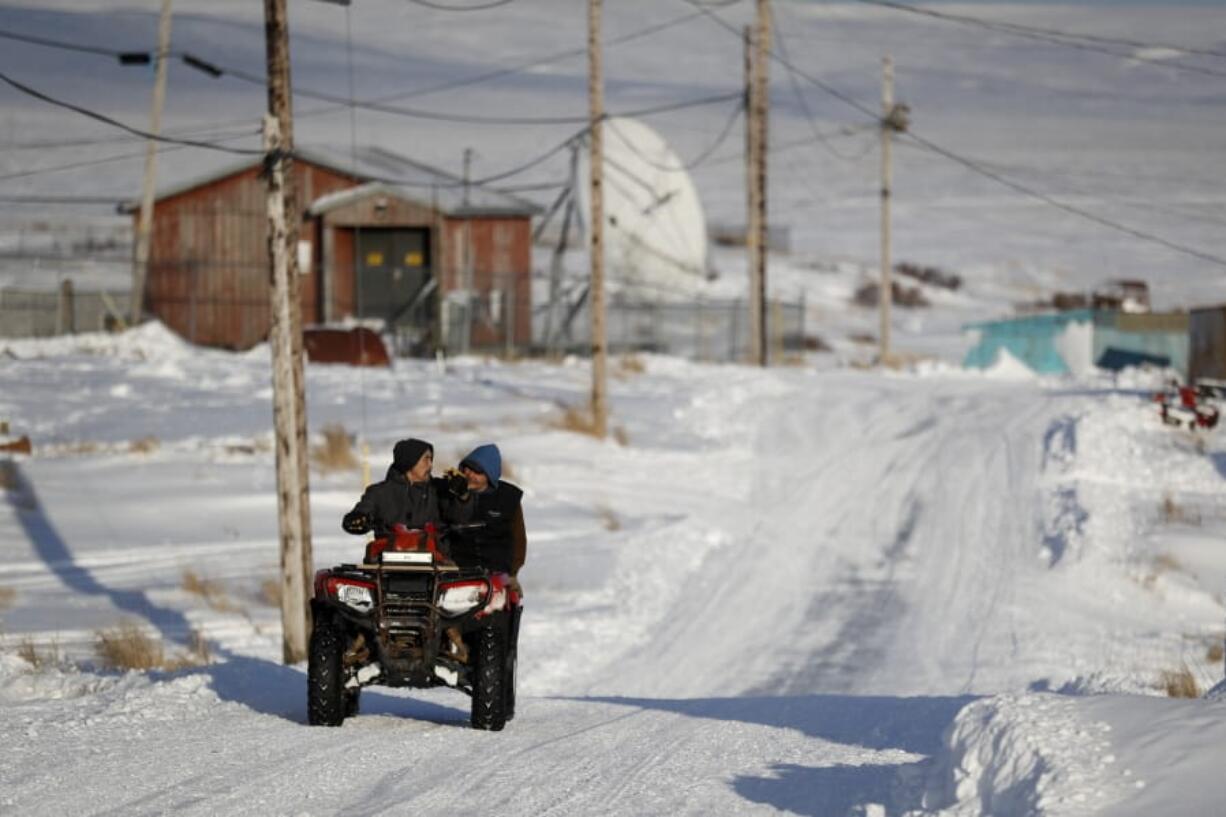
x=409, y=495
x=499, y=542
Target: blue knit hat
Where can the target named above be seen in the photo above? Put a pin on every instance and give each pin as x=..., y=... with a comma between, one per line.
x=487, y=459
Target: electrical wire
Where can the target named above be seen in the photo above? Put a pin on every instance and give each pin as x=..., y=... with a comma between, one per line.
x=27, y=90
x=137, y=56
x=698, y=160
x=1075, y=41
x=804, y=105
x=417, y=92
x=970, y=164
x=51, y=199
x=430, y=4
x=1019, y=28
x=977, y=167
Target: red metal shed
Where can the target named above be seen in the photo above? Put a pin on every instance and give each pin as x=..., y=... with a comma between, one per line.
x=384, y=240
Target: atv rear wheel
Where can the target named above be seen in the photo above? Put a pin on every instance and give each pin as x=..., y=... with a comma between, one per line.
x=489, y=686
x=353, y=702
x=509, y=690
x=325, y=679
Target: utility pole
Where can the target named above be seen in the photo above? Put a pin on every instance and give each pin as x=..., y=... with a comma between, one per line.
x=468, y=283
x=289, y=403
x=600, y=408
x=755, y=236
x=140, y=258
x=893, y=118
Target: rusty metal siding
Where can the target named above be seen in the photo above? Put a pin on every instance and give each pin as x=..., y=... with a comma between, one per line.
x=502, y=261
x=208, y=277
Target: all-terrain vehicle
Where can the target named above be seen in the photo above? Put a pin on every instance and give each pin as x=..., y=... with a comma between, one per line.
x=408, y=617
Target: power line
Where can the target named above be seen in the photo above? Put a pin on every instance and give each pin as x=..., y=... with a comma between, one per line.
x=972, y=165
x=26, y=89
x=125, y=57
x=1020, y=28
x=720, y=138
x=217, y=70
x=825, y=86
x=430, y=4
x=1080, y=42
x=1035, y=194
x=474, y=79
x=804, y=105
x=49, y=199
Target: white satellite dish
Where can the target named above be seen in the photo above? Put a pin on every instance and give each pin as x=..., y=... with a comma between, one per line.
x=655, y=230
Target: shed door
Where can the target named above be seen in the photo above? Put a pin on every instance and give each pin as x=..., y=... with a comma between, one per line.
x=394, y=279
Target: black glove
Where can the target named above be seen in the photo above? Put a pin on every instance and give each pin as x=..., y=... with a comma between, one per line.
x=355, y=522
x=457, y=484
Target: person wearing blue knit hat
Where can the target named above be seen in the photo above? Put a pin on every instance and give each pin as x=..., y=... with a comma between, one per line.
x=501, y=543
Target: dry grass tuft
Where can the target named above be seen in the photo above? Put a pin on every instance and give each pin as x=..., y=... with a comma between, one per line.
x=1166, y=563
x=608, y=519
x=37, y=658
x=8, y=476
x=211, y=591
x=4, y=426
x=7, y=596
x=128, y=647
x=336, y=451
x=577, y=421
x=1180, y=683
x=145, y=445
x=628, y=365
x=1216, y=652
x=270, y=593
x=1174, y=513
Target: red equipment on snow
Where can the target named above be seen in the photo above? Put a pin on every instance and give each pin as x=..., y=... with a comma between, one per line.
x=1190, y=406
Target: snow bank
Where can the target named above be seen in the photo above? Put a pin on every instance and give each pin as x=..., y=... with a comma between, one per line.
x=1024, y=756
x=149, y=341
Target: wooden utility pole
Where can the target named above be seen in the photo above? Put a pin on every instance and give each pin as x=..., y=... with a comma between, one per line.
x=140, y=257
x=893, y=118
x=600, y=408
x=289, y=403
x=755, y=237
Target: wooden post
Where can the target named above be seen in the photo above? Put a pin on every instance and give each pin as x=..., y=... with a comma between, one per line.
x=140, y=258
x=289, y=403
x=885, y=297
x=755, y=238
x=600, y=409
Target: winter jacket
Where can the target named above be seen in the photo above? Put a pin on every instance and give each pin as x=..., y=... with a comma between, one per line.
x=394, y=501
x=501, y=544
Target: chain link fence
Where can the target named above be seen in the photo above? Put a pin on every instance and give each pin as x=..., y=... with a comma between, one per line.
x=704, y=330
x=40, y=314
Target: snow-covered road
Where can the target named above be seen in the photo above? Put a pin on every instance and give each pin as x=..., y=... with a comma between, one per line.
x=790, y=591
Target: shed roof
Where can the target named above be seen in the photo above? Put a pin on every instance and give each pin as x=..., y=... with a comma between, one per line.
x=391, y=173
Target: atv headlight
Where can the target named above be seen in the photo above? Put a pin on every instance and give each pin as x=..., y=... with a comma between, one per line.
x=457, y=599
x=356, y=596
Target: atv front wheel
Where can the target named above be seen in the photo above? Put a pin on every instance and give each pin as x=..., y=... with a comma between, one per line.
x=489, y=685
x=325, y=680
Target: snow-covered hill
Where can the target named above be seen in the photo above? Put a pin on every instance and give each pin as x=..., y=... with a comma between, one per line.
x=823, y=593
x=1127, y=137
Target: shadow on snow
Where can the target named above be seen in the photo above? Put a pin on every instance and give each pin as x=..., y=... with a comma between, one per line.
x=262, y=686
x=912, y=725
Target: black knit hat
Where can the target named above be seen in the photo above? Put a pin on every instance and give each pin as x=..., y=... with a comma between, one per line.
x=407, y=452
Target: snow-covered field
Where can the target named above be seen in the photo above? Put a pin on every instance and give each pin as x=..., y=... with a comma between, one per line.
x=824, y=592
